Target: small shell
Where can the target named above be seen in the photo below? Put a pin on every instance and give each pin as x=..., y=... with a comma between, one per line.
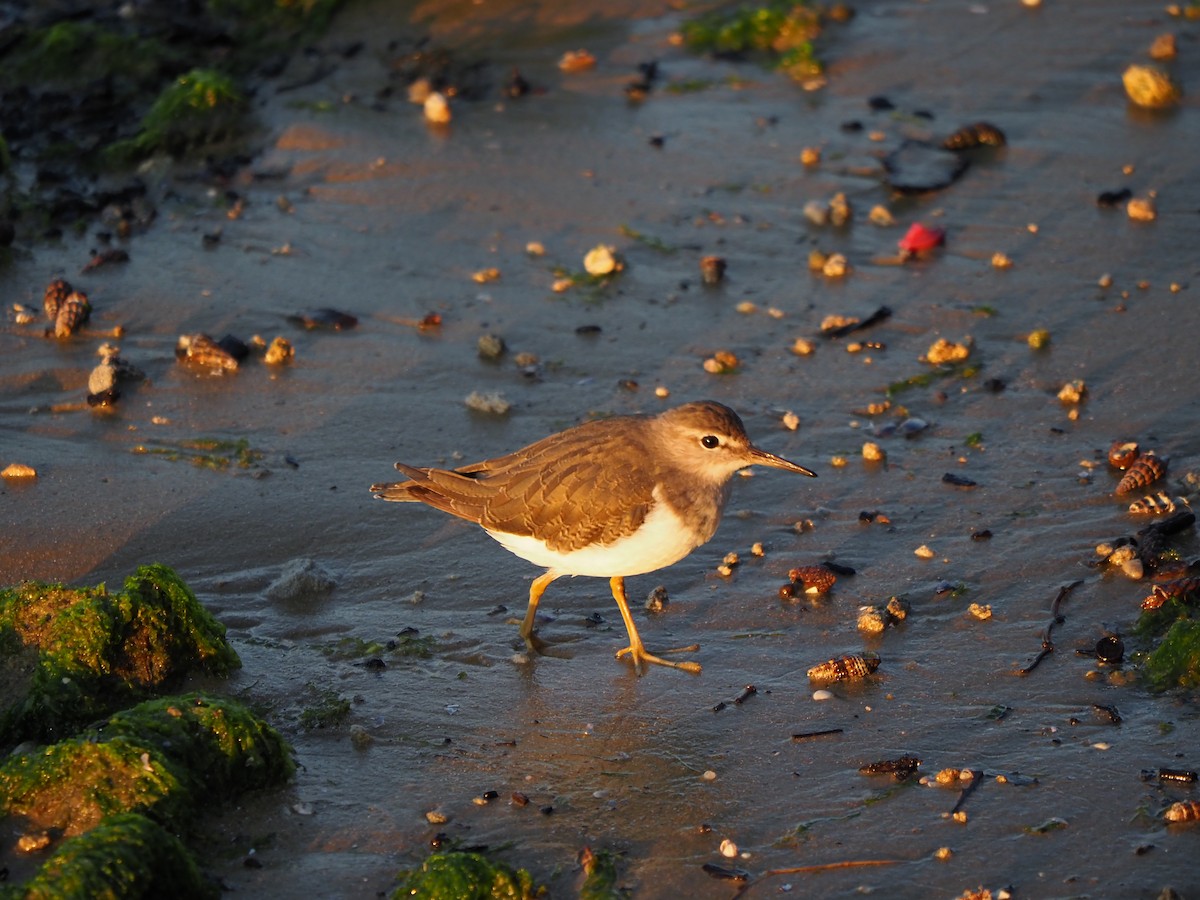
x=1150, y=87
x=602, y=260
x=1184, y=811
x=712, y=269
x=1122, y=454
x=73, y=312
x=944, y=351
x=1180, y=589
x=437, y=109
x=56, y=292
x=1147, y=470
x=844, y=668
x=814, y=579
x=201, y=350
x=871, y=620
x=279, y=351
x=1153, y=504
x=978, y=134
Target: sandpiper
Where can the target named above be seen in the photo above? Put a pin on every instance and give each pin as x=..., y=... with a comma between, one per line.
x=609, y=498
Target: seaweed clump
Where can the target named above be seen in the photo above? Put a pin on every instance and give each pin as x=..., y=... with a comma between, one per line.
x=71, y=655
x=460, y=875
x=779, y=33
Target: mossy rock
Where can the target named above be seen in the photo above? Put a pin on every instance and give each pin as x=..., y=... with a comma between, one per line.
x=128, y=856
x=167, y=758
x=465, y=876
x=1175, y=662
x=69, y=656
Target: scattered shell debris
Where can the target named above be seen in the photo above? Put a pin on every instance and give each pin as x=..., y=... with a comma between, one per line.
x=872, y=452
x=981, y=611
x=484, y=276
x=721, y=363
x=803, y=347
x=1001, y=260
x=1072, y=392
x=943, y=351
x=202, y=351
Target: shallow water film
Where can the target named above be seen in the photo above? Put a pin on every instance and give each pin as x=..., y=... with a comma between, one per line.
x=956, y=387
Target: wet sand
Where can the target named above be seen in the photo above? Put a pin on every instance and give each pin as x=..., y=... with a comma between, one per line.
x=388, y=219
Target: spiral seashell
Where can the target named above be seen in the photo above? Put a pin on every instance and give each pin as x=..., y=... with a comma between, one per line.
x=1122, y=454
x=1147, y=470
x=202, y=350
x=845, y=668
x=72, y=313
x=1180, y=589
x=977, y=134
x=813, y=579
x=56, y=292
x=1184, y=811
x=1153, y=504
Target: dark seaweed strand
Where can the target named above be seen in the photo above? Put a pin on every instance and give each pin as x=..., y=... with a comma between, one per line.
x=976, y=778
x=1056, y=618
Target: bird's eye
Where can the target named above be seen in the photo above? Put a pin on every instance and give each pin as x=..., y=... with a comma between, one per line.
x=710, y=441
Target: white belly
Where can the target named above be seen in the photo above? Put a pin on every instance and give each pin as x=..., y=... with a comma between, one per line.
x=662, y=540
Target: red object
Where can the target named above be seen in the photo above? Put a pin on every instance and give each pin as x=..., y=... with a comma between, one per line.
x=919, y=238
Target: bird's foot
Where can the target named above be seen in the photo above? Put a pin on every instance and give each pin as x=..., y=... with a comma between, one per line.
x=639, y=655
x=540, y=647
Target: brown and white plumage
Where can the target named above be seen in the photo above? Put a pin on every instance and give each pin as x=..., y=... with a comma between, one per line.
x=610, y=498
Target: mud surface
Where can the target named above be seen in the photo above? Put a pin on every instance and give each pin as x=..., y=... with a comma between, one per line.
x=388, y=219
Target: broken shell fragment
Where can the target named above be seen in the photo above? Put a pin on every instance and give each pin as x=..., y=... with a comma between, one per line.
x=871, y=620
x=721, y=363
x=602, y=260
x=1122, y=454
x=72, y=313
x=280, y=351
x=1072, y=392
x=437, y=109
x=1150, y=87
x=201, y=350
x=812, y=580
x=577, y=61
x=835, y=266
x=712, y=269
x=1147, y=470
x=944, y=351
x=1182, y=589
x=1141, y=209
x=15, y=471
x=845, y=668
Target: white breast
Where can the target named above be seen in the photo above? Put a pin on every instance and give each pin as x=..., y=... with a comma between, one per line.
x=663, y=539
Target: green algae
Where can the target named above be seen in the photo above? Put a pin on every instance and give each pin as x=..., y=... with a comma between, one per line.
x=167, y=758
x=329, y=711
x=779, y=33
x=72, y=655
x=126, y=856
x=600, y=876
x=206, y=453
x=1175, y=662
x=465, y=876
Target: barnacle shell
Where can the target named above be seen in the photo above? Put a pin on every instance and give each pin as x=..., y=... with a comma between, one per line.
x=56, y=292
x=1147, y=470
x=844, y=668
x=1122, y=454
x=202, y=350
x=1184, y=811
x=72, y=313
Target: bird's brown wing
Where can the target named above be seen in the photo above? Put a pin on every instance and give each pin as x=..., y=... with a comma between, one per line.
x=563, y=490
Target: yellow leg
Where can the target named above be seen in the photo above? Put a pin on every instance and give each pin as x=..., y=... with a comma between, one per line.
x=636, y=649
x=532, y=641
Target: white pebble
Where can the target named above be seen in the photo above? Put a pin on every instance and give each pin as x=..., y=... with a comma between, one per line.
x=729, y=849
x=822, y=695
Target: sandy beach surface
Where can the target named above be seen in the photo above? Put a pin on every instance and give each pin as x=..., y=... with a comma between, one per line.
x=356, y=203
